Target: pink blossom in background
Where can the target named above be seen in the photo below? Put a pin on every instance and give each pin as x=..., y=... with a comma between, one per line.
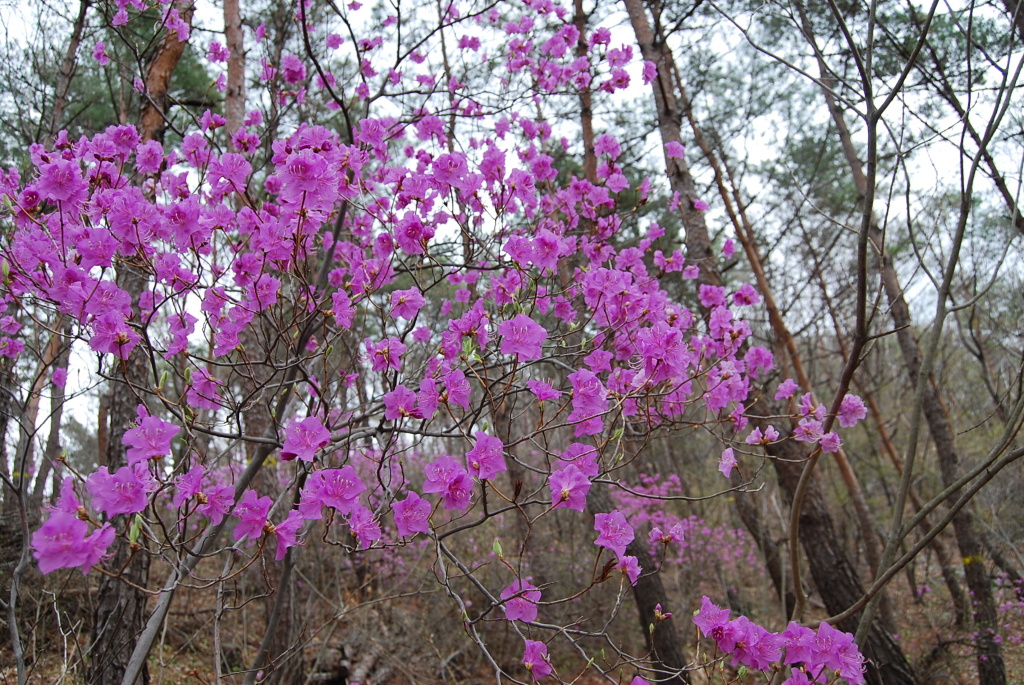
x=786, y=389
x=851, y=411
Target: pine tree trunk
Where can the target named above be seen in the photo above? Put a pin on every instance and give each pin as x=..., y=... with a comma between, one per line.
x=234, y=96
x=991, y=669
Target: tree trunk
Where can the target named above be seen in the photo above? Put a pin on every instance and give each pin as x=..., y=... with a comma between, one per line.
x=991, y=669
x=234, y=96
x=121, y=607
x=834, y=575
x=156, y=99
x=663, y=644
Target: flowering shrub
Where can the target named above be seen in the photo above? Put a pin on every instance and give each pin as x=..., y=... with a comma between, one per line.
x=440, y=327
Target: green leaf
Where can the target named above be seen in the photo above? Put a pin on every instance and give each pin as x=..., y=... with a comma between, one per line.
x=496, y=547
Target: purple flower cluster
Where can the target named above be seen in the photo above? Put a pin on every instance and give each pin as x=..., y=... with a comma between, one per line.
x=810, y=654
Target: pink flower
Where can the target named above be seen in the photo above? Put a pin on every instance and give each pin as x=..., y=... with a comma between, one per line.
x=406, y=303
x=830, y=644
x=650, y=72
x=187, y=485
x=386, y=354
x=112, y=335
x=543, y=391
x=606, y=144
x=446, y=477
x=400, y=402
x=674, y=150
x=287, y=533
x=62, y=542
x=535, y=658
x=851, y=410
x=589, y=401
x=292, y=69
x=338, y=489
x=151, y=439
x=61, y=181
x=797, y=677
x=710, y=618
x=786, y=389
x=412, y=515
x=99, y=53
x=486, y=459
x=701, y=206
x=124, y=492
x=520, y=601
x=727, y=462
x=711, y=296
x=617, y=183
x=252, y=513
x=630, y=568
x=584, y=457
x=202, y=394
x=799, y=642
x=613, y=532
x=746, y=295
x=364, y=528
x=522, y=336
x=757, y=648
x=830, y=443
x=219, y=499
x=807, y=430
x=304, y=438
x=569, y=488
x=458, y=389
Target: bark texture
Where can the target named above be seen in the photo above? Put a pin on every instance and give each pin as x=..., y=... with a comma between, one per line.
x=157, y=99
x=234, y=96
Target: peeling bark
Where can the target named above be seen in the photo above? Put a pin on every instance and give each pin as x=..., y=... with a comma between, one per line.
x=157, y=99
